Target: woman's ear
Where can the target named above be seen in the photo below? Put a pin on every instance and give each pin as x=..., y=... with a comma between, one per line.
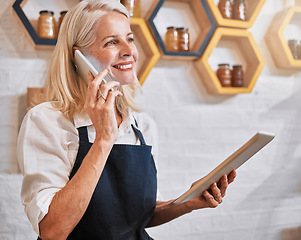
x=74, y=48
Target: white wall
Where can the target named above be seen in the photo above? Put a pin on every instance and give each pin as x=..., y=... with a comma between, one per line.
x=197, y=131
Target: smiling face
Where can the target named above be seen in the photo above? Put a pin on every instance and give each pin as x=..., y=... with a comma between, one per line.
x=114, y=47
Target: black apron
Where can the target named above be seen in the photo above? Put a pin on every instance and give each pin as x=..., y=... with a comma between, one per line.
x=124, y=199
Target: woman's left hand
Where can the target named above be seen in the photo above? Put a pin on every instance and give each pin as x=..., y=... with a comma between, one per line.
x=214, y=196
x=167, y=211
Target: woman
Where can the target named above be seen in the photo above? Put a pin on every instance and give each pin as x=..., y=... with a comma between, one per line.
x=86, y=154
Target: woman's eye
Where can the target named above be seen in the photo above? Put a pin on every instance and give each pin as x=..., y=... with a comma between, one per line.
x=131, y=40
x=112, y=42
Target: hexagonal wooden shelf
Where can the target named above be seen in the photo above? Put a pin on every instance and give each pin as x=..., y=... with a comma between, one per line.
x=148, y=51
x=253, y=9
x=38, y=42
x=204, y=20
x=35, y=95
x=250, y=52
x=277, y=43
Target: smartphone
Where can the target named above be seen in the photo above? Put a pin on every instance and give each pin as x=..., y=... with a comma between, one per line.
x=86, y=64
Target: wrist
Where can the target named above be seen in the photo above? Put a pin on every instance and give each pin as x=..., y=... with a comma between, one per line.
x=102, y=143
x=192, y=205
x=189, y=207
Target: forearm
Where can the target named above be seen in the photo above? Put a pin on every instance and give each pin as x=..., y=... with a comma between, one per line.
x=70, y=203
x=167, y=211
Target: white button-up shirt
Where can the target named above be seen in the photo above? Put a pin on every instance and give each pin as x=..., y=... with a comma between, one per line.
x=47, y=148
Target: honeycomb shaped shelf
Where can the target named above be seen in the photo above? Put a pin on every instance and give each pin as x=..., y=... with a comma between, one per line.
x=277, y=42
x=204, y=21
x=253, y=9
x=30, y=29
x=249, y=51
x=148, y=52
x=35, y=95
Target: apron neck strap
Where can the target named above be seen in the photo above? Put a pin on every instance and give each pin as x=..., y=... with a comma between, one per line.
x=138, y=133
x=83, y=134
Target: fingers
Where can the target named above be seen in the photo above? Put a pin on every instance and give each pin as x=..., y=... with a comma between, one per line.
x=110, y=100
x=104, y=89
x=93, y=87
x=231, y=176
x=211, y=202
x=216, y=193
x=96, y=90
x=225, y=181
x=223, y=184
x=214, y=196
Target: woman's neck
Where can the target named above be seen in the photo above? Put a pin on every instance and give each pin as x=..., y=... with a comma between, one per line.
x=118, y=117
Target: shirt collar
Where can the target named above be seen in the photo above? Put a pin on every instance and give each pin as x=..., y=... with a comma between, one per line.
x=125, y=126
x=82, y=119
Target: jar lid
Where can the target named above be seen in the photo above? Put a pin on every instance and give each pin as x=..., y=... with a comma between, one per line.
x=182, y=29
x=63, y=12
x=237, y=66
x=224, y=65
x=170, y=27
x=46, y=11
x=292, y=41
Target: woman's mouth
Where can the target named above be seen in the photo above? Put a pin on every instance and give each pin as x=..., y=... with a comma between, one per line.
x=124, y=66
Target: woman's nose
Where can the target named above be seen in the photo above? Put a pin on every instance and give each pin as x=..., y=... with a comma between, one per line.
x=126, y=50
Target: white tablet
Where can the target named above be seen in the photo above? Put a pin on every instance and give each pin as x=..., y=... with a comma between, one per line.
x=257, y=142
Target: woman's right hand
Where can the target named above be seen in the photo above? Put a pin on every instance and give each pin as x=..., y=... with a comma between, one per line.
x=101, y=108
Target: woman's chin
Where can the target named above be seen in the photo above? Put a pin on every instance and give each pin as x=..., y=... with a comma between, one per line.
x=126, y=80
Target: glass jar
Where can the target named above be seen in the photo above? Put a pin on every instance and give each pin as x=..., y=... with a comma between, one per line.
x=183, y=39
x=239, y=10
x=62, y=15
x=137, y=9
x=225, y=7
x=224, y=74
x=299, y=50
x=171, y=39
x=46, y=24
x=293, y=45
x=237, y=76
x=129, y=4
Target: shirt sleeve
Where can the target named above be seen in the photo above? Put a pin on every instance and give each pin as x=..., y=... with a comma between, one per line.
x=47, y=146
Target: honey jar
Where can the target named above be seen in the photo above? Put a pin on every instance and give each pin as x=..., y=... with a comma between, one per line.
x=171, y=39
x=46, y=24
x=225, y=7
x=299, y=50
x=137, y=9
x=239, y=10
x=183, y=39
x=224, y=74
x=129, y=5
x=293, y=45
x=62, y=15
x=237, y=76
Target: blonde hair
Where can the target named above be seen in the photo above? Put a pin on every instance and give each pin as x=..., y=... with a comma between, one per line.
x=65, y=89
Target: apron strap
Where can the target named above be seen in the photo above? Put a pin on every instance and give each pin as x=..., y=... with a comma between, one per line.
x=137, y=131
x=83, y=134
